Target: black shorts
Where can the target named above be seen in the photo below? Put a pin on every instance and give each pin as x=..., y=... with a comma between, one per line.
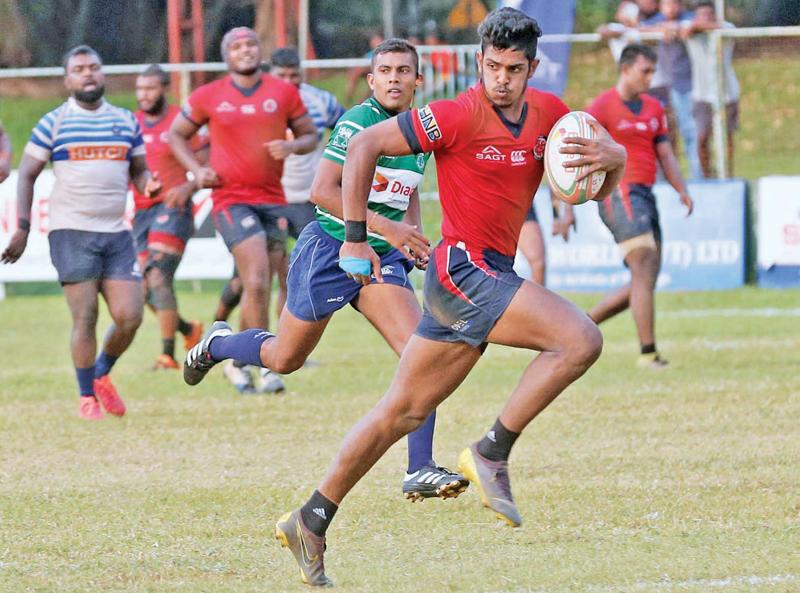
x=631, y=211
x=298, y=216
x=79, y=256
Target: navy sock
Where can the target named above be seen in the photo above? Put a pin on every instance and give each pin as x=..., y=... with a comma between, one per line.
x=648, y=348
x=104, y=364
x=184, y=326
x=168, y=347
x=85, y=380
x=243, y=347
x=496, y=444
x=420, y=445
x=318, y=513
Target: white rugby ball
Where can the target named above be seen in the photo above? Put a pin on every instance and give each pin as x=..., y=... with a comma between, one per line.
x=562, y=181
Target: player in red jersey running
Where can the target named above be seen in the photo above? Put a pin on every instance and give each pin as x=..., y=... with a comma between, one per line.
x=488, y=165
x=163, y=225
x=637, y=121
x=247, y=113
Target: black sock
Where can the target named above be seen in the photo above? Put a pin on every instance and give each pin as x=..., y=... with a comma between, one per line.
x=648, y=348
x=496, y=444
x=184, y=326
x=318, y=513
x=168, y=346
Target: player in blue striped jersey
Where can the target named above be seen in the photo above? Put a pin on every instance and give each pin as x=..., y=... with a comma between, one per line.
x=96, y=150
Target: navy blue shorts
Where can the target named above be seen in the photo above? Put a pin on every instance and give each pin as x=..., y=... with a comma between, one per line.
x=298, y=216
x=160, y=224
x=241, y=221
x=466, y=293
x=531, y=215
x=631, y=211
x=317, y=287
x=85, y=255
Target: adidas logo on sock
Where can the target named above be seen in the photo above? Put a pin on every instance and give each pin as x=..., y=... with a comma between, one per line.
x=491, y=436
x=320, y=512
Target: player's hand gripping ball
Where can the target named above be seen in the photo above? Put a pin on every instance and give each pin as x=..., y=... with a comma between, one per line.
x=564, y=182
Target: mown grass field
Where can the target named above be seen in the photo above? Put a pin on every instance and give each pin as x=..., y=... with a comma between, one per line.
x=633, y=481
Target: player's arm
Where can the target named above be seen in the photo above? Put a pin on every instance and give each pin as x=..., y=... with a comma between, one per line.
x=326, y=191
x=413, y=218
x=180, y=134
x=178, y=196
x=145, y=183
x=29, y=169
x=601, y=153
x=304, y=139
x=363, y=153
x=5, y=155
x=669, y=164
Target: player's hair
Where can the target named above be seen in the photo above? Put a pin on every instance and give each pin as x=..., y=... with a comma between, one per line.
x=285, y=57
x=79, y=50
x=509, y=28
x=158, y=72
x=228, y=38
x=633, y=51
x=705, y=4
x=395, y=45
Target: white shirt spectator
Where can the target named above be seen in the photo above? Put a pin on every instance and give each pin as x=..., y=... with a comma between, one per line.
x=704, y=68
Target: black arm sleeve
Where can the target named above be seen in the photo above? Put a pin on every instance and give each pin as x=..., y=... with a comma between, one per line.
x=407, y=127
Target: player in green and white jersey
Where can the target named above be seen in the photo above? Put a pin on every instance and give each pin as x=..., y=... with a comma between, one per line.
x=317, y=286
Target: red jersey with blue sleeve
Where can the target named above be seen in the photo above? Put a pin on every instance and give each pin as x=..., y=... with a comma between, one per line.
x=240, y=123
x=159, y=156
x=488, y=168
x=637, y=132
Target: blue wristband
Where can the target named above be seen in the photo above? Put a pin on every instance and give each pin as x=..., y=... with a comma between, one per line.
x=356, y=265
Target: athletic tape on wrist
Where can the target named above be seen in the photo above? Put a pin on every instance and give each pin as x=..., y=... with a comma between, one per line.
x=355, y=231
x=356, y=265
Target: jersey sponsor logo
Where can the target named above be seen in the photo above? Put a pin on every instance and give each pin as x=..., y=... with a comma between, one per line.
x=148, y=138
x=624, y=125
x=248, y=109
x=429, y=124
x=270, y=105
x=225, y=107
x=538, y=148
x=381, y=184
x=517, y=157
x=342, y=137
x=641, y=126
x=490, y=153
x=164, y=137
x=98, y=153
x=654, y=123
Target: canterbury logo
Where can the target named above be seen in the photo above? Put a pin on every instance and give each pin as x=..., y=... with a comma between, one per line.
x=98, y=153
x=308, y=560
x=517, y=157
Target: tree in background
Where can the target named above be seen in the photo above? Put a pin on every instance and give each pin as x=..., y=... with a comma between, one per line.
x=13, y=41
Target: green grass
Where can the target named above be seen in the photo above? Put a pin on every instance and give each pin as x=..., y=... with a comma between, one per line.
x=629, y=482
x=769, y=109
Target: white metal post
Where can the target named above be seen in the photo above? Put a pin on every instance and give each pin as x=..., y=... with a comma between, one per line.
x=720, y=109
x=388, y=19
x=302, y=30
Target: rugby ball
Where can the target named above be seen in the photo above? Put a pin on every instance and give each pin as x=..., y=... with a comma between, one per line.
x=562, y=181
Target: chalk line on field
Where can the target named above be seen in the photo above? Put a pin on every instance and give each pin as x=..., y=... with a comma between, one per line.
x=668, y=584
x=732, y=312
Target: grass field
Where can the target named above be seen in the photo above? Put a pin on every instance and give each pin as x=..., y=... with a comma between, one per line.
x=633, y=481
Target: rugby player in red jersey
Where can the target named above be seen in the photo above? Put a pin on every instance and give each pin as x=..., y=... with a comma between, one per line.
x=163, y=225
x=637, y=121
x=247, y=113
x=488, y=149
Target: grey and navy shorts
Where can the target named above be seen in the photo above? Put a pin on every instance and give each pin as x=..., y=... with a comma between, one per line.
x=298, y=215
x=531, y=216
x=79, y=256
x=466, y=292
x=160, y=224
x=629, y=212
x=238, y=222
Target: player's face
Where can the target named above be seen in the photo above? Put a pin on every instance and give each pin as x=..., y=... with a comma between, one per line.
x=244, y=56
x=150, y=94
x=505, y=74
x=393, y=80
x=84, y=78
x=637, y=76
x=287, y=74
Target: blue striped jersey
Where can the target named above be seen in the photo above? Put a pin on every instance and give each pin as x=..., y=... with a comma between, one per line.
x=91, y=152
x=299, y=169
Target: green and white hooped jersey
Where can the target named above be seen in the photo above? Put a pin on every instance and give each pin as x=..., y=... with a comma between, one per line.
x=396, y=177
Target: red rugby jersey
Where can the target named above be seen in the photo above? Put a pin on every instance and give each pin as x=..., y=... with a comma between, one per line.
x=159, y=157
x=240, y=122
x=486, y=175
x=639, y=134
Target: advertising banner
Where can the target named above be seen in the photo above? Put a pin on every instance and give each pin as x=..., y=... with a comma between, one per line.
x=779, y=231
